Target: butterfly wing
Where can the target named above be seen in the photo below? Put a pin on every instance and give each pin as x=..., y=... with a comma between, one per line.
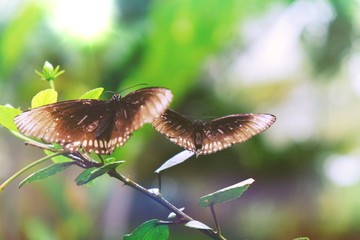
x=72, y=124
x=94, y=125
x=176, y=128
x=136, y=109
x=223, y=132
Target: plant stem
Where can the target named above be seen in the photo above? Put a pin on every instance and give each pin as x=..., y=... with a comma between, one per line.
x=158, y=198
x=10, y=179
x=112, y=173
x=52, y=85
x=215, y=220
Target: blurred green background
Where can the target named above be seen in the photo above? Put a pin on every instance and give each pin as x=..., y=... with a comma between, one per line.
x=298, y=60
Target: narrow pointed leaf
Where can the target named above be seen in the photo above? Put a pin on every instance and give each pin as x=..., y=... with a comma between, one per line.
x=92, y=173
x=7, y=115
x=177, y=159
x=58, y=159
x=46, y=172
x=302, y=238
x=225, y=194
x=84, y=176
x=92, y=94
x=197, y=225
x=44, y=97
x=150, y=230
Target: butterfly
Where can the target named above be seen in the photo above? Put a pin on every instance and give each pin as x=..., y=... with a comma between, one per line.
x=94, y=125
x=209, y=137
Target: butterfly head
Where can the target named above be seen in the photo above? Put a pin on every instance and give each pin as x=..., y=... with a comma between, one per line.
x=198, y=123
x=115, y=98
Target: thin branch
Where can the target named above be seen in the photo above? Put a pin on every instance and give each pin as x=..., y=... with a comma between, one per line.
x=43, y=146
x=85, y=161
x=10, y=179
x=215, y=220
x=158, y=198
x=82, y=160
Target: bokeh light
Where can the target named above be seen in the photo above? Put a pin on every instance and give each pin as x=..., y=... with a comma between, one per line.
x=85, y=20
x=343, y=170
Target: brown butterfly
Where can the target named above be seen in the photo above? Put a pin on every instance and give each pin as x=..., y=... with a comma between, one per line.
x=94, y=125
x=209, y=137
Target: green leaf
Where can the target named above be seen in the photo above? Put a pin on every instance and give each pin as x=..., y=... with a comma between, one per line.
x=44, y=97
x=58, y=159
x=46, y=172
x=225, y=194
x=302, y=238
x=92, y=94
x=197, y=225
x=7, y=115
x=92, y=173
x=150, y=230
x=177, y=159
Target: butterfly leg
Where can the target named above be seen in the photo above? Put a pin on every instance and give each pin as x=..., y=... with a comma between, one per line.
x=101, y=159
x=83, y=160
x=78, y=160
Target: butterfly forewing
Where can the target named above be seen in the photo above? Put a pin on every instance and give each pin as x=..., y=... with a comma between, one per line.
x=94, y=125
x=223, y=132
x=176, y=128
x=68, y=123
x=140, y=107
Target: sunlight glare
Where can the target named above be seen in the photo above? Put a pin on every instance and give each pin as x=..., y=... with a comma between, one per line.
x=86, y=20
x=343, y=170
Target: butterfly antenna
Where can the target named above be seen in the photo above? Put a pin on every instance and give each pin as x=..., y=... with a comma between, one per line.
x=136, y=85
x=112, y=92
x=207, y=116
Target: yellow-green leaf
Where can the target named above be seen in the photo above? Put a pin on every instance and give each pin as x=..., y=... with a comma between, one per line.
x=44, y=97
x=59, y=158
x=7, y=115
x=92, y=94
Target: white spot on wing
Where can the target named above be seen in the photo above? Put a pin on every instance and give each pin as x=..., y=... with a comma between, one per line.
x=82, y=120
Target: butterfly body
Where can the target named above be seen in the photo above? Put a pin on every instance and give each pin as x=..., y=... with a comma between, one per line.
x=94, y=125
x=198, y=134
x=209, y=137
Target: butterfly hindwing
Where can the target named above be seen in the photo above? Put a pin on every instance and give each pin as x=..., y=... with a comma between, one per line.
x=176, y=128
x=223, y=132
